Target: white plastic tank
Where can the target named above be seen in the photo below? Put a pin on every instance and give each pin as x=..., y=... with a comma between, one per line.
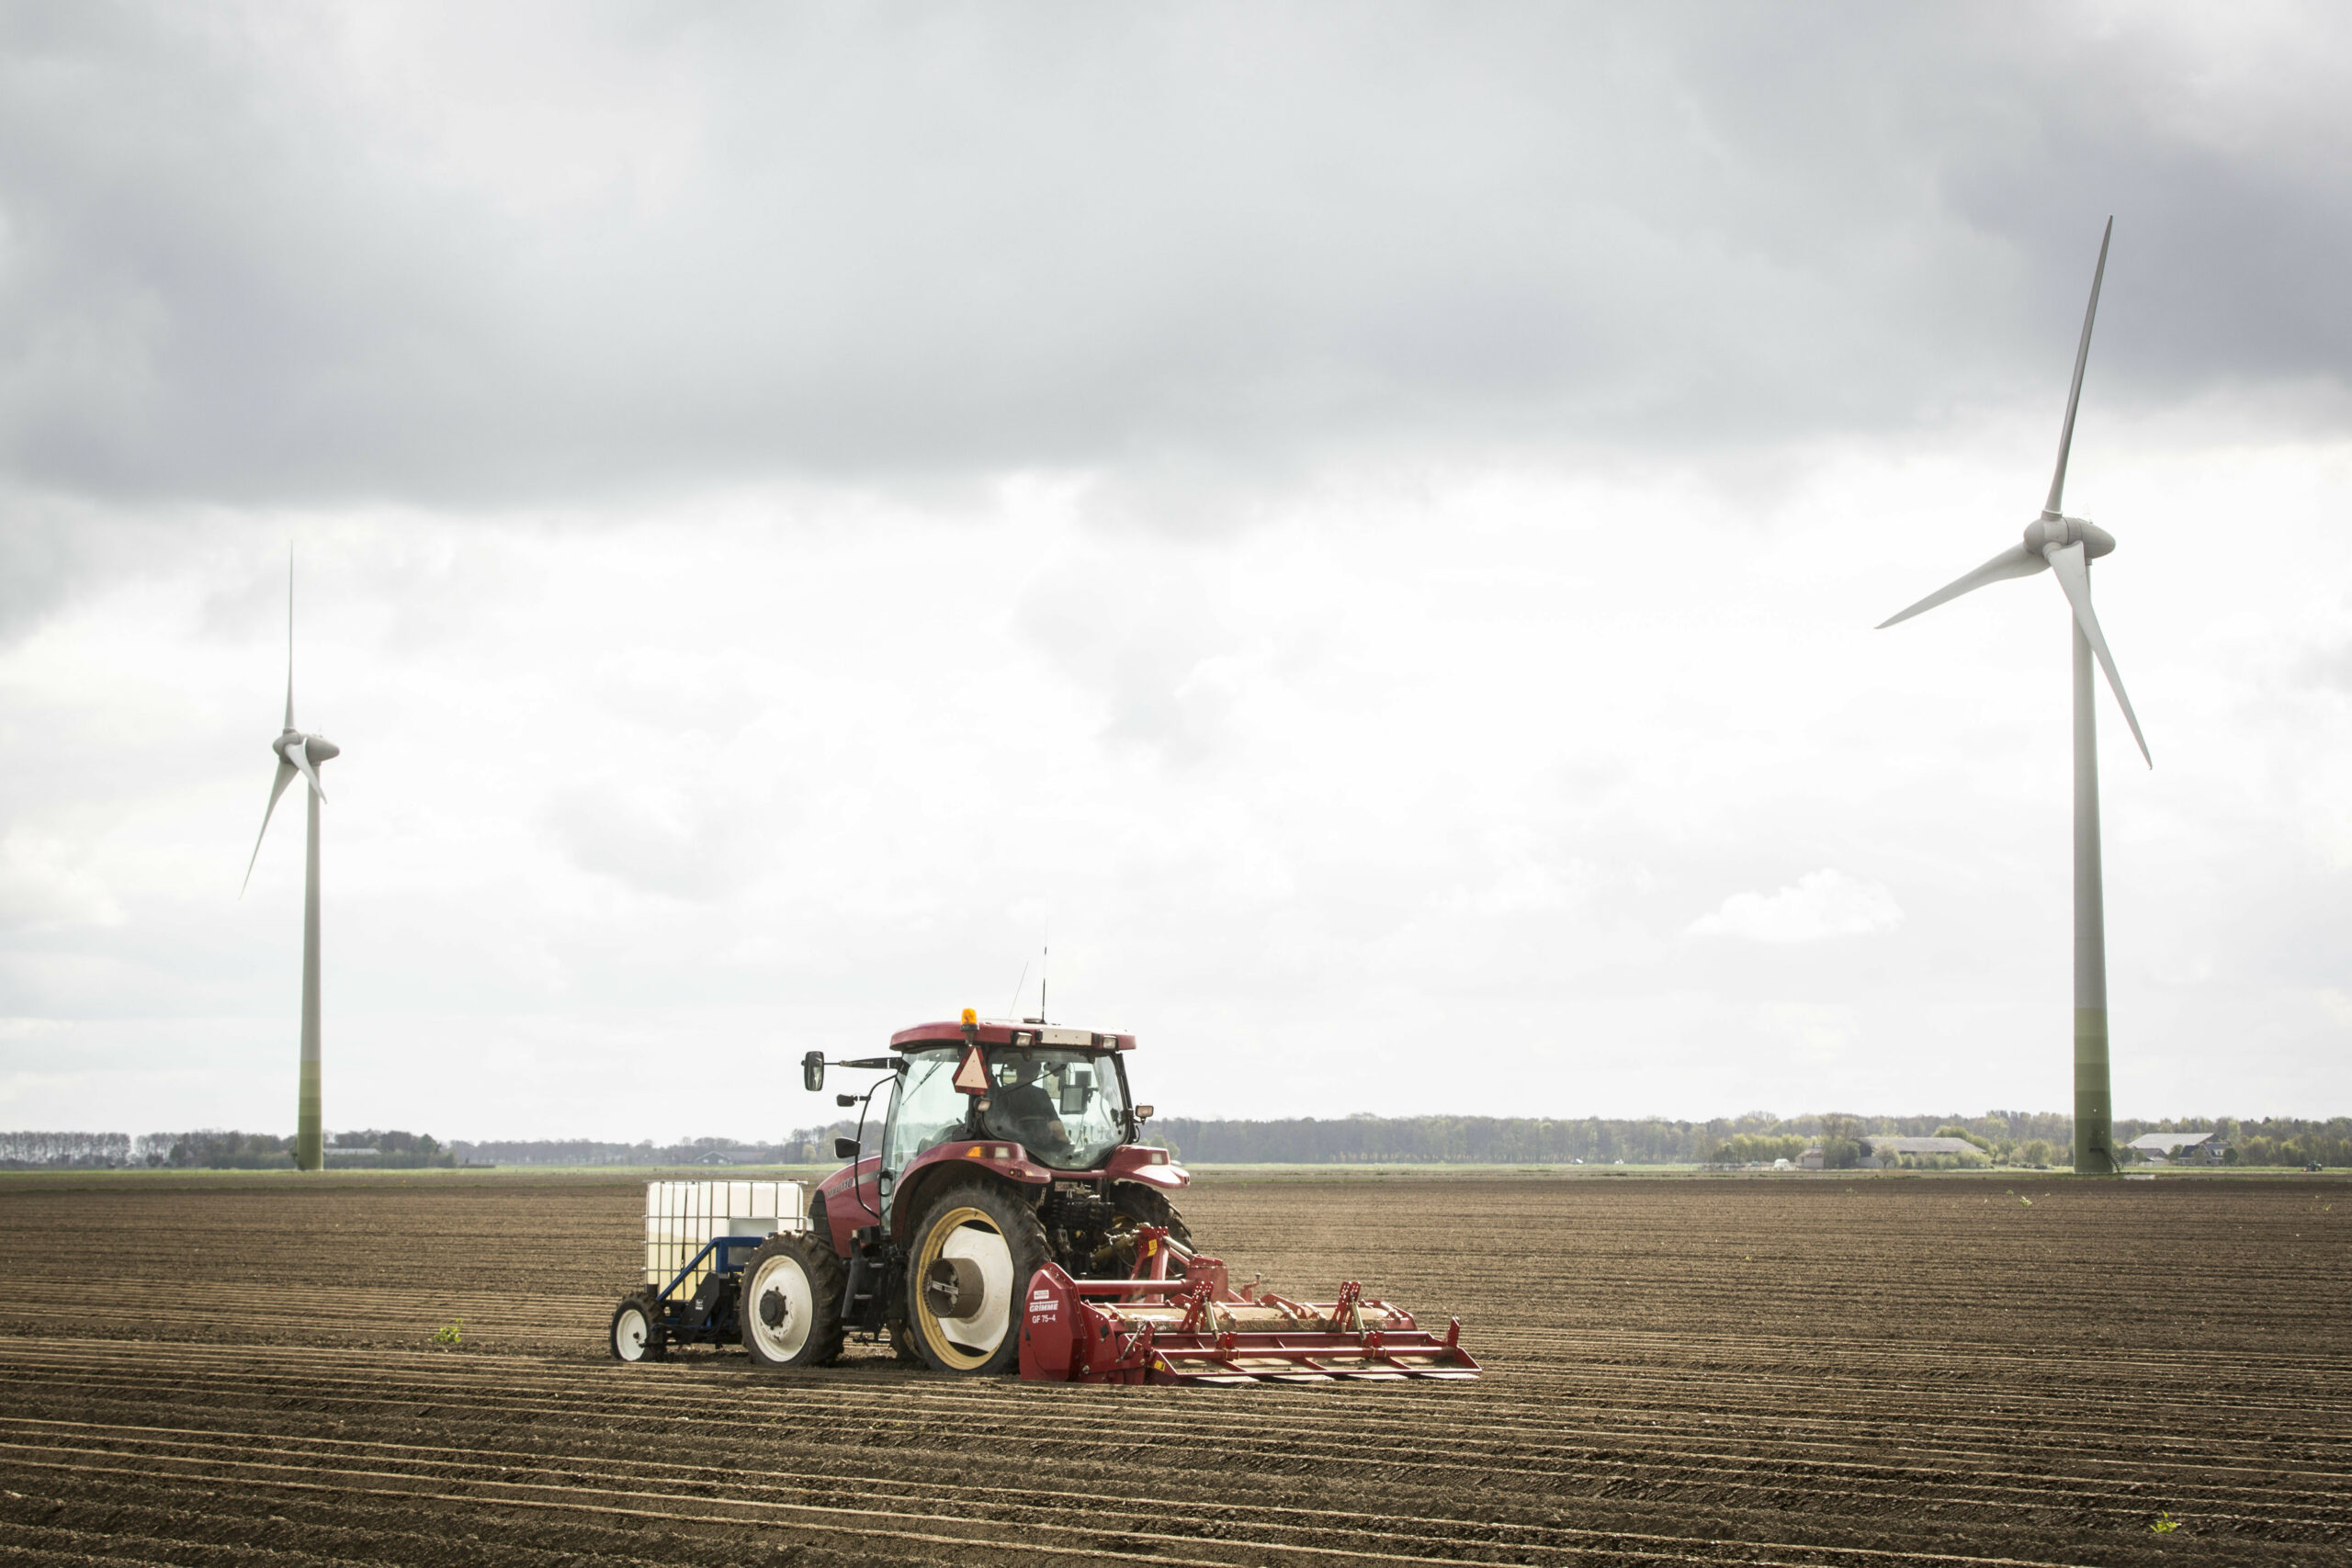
x=682, y=1217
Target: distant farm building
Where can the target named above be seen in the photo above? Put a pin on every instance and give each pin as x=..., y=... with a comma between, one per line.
x=2180, y=1148
x=1896, y=1151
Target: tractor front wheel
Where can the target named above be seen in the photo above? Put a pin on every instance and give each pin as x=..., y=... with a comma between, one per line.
x=972, y=1256
x=637, y=1334
x=791, y=1304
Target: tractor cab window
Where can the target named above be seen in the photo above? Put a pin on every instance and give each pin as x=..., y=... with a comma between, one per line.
x=1068, y=1108
x=928, y=1109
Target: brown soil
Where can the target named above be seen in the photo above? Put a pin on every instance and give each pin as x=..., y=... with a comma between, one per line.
x=1817, y=1370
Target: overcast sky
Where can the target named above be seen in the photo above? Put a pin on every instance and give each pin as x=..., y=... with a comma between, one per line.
x=1363, y=523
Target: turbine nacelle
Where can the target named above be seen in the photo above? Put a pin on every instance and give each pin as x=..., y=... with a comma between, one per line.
x=317, y=748
x=2047, y=532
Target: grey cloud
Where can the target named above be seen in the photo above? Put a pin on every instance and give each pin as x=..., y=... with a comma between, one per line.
x=39, y=559
x=671, y=843
x=2331, y=668
x=432, y=255
x=1150, y=643
x=55, y=546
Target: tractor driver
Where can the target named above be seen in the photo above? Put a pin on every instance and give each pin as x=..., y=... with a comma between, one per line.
x=1022, y=1112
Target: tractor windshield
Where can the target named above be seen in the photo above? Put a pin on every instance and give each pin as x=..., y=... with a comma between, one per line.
x=927, y=1110
x=1068, y=1108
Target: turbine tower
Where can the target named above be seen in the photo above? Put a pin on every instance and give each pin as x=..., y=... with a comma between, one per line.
x=301, y=753
x=2065, y=547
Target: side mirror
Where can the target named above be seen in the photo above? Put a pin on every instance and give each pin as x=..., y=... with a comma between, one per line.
x=1143, y=1112
x=844, y=1148
x=812, y=1071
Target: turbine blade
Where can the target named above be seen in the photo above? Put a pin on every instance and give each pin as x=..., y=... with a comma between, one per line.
x=289, y=637
x=2073, y=574
x=284, y=776
x=299, y=755
x=2075, y=393
x=2015, y=562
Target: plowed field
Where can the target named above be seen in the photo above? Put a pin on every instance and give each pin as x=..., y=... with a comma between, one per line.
x=1810, y=1370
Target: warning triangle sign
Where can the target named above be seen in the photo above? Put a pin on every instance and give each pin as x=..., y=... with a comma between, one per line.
x=972, y=1073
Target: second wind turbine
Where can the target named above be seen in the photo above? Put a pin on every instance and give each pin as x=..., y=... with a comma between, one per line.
x=2065, y=547
x=301, y=753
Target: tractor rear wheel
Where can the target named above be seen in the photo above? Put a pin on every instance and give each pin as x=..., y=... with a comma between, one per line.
x=636, y=1333
x=971, y=1264
x=791, y=1304
x=1149, y=1206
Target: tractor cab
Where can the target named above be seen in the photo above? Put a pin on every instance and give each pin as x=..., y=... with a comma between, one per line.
x=1036, y=1103
x=1061, y=1094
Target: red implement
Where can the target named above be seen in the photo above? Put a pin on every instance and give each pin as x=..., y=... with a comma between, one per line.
x=1193, y=1327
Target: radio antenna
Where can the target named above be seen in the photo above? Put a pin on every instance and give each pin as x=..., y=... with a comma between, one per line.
x=1045, y=954
x=1013, y=1009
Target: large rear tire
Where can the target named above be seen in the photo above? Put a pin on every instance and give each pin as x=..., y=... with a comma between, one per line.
x=791, y=1304
x=636, y=1333
x=968, y=1268
x=1149, y=1206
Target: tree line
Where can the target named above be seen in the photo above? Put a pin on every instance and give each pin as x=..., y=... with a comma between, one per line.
x=69, y=1149
x=1758, y=1136
x=213, y=1148
x=2007, y=1137
x=2038, y=1139
x=808, y=1147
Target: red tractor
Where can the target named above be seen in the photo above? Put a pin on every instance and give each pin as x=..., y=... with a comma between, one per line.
x=1005, y=1147
x=1012, y=1215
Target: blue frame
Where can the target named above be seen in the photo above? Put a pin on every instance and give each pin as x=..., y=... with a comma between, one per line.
x=719, y=1245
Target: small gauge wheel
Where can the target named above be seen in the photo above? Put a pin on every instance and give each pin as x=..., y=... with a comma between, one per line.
x=638, y=1334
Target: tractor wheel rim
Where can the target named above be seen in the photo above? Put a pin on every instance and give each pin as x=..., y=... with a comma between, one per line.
x=789, y=1334
x=966, y=1343
x=630, y=1332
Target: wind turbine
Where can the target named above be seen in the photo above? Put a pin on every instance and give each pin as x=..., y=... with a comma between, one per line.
x=2065, y=547
x=301, y=753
